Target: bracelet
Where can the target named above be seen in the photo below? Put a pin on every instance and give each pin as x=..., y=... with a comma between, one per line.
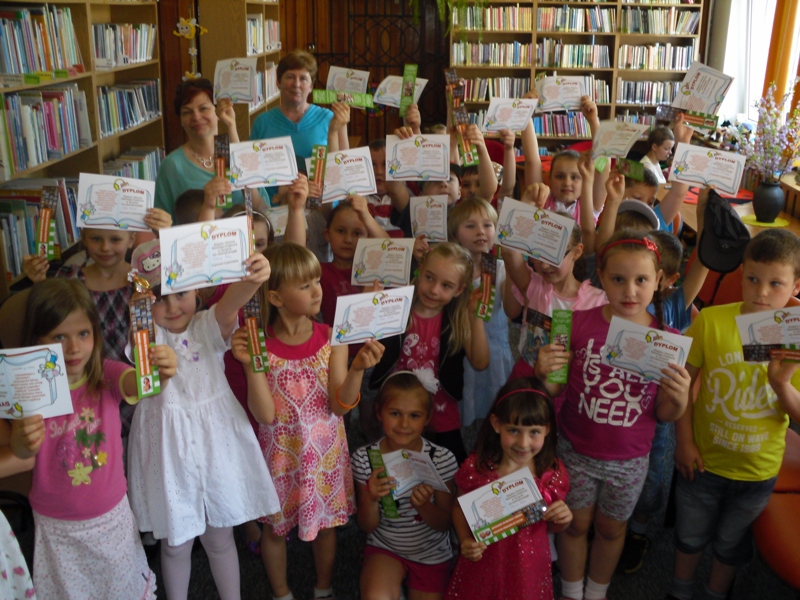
x=346, y=406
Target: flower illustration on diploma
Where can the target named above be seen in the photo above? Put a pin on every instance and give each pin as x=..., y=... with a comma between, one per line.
x=613, y=352
x=504, y=232
x=87, y=210
x=681, y=167
x=394, y=166
x=360, y=269
x=343, y=330
x=174, y=271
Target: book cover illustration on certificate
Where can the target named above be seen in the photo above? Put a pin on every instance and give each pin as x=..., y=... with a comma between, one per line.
x=706, y=166
x=262, y=163
x=540, y=234
x=34, y=381
x=560, y=93
x=641, y=350
x=348, y=172
x=501, y=508
x=390, y=90
x=764, y=333
x=409, y=469
x=202, y=255
x=418, y=158
x=429, y=217
x=513, y=114
x=108, y=202
x=148, y=380
x=360, y=317
x=341, y=79
x=385, y=260
x=235, y=78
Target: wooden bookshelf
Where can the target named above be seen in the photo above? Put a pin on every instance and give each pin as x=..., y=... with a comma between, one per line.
x=227, y=38
x=90, y=158
x=467, y=29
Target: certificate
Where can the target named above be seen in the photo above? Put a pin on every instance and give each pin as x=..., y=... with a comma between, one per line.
x=513, y=114
x=235, y=78
x=642, y=350
x=34, y=382
x=704, y=166
x=202, y=255
x=108, y=202
x=703, y=89
x=360, y=317
x=278, y=218
x=616, y=138
x=341, y=79
x=560, y=93
x=503, y=507
x=538, y=233
x=391, y=89
x=348, y=172
x=429, y=217
x=263, y=163
x=766, y=332
x=410, y=469
x=418, y=158
x=387, y=260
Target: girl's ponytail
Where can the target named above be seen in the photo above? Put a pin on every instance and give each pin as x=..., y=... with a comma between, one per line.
x=658, y=305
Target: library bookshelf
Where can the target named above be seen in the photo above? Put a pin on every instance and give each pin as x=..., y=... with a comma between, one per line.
x=633, y=55
x=126, y=74
x=233, y=33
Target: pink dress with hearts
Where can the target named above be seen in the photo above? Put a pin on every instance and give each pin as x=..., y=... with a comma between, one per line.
x=305, y=446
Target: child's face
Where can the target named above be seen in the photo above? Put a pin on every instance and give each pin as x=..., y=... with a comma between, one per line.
x=261, y=234
x=767, y=286
x=663, y=151
x=555, y=275
x=438, y=283
x=379, y=167
x=76, y=336
x=450, y=188
x=641, y=192
x=476, y=233
x=404, y=416
x=630, y=279
x=345, y=231
x=520, y=444
x=470, y=185
x=565, y=181
x=302, y=297
x=174, y=312
x=106, y=247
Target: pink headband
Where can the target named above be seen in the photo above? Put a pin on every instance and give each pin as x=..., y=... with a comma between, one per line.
x=646, y=242
x=521, y=390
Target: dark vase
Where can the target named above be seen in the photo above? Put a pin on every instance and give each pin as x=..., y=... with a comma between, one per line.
x=768, y=201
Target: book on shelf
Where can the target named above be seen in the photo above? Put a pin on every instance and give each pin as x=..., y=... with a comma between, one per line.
x=479, y=89
x=694, y=2
x=557, y=54
x=127, y=105
x=570, y=125
x=576, y=20
x=119, y=44
x=272, y=35
x=260, y=98
x=639, y=118
x=646, y=92
x=255, y=34
x=493, y=18
x=271, y=81
x=139, y=162
x=656, y=57
x=511, y=54
x=661, y=21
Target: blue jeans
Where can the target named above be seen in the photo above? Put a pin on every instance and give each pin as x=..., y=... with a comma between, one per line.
x=650, y=498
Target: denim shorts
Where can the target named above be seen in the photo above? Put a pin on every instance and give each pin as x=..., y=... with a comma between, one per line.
x=712, y=508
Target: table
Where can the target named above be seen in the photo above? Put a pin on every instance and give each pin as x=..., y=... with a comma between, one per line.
x=689, y=214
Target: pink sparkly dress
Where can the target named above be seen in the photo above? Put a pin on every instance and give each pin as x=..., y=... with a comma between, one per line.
x=305, y=446
x=518, y=566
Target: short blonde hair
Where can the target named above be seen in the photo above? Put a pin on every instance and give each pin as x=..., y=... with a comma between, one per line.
x=464, y=210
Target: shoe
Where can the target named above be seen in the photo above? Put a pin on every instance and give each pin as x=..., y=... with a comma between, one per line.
x=636, y=546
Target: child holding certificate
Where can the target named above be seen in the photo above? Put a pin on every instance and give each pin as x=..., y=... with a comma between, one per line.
x=608, y=416
x=519, y=432
x=87, y=543
x=305, y=446
x=413, y=542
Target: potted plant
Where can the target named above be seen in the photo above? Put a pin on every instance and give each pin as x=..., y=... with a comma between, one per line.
x=771, y=150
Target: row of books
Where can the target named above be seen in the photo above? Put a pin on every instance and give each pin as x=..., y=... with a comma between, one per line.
x=42, y=125
x=501, y=18
x=646, y=92
x=512, y=54
x=479, y=90
x=659, y=2
x=660, y=21
x=555, y=53
x=571, y=124
x=566, y=18
x=127, y=105
x=639, y=118
x=140, y=162
x=119, y=44
x=658, y=57
x=260, y=97
x=272, y=34
x=37, y=38
x=262, y=35
x=271, y=81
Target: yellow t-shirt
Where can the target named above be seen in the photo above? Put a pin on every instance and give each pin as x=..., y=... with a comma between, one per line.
x=739, y=425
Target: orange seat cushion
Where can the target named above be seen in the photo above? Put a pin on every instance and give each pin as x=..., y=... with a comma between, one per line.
x=776, y=532
x=789, y=475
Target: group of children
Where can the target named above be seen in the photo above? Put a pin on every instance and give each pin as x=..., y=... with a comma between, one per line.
x=196, y=467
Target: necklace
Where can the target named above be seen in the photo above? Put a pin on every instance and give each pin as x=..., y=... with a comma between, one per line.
x=206, y=162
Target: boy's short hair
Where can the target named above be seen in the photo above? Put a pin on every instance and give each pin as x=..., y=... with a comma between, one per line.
x=632, y=220
x=775, y=246
x=463, y=211
x=650, y=180
x=671, y=250
x=438, y=129
x=659, y=135
x=187, y=206
x=471, y=170
x=379, y=144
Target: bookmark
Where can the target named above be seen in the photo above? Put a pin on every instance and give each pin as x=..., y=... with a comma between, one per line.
x=222, y=163
x=248, y=209
x=256, y=342
x=409, y=85
x=560, y=332
x=319, y=159
x=630, y=168
x=148, y=381
x=388, y=503
x=468, y=152
x=46, y=234
x=488, y=284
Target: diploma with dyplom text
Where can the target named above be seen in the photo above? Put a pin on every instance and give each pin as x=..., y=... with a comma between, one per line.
x=348, y=172
x=235, y=78
x=391, y=89
x=766, y=332
x=263, y=163
x=560, y=93
x=385, y=260
x=360, y=317
x=429, y=217
x=703, y=89
x=341, y=79
x=642, y=350
x=616, y=138
x=705, y=166
x=108, y=202
x=202, y=255
x=410, y=469
x=540, y=234
x=33, y=381
x=513, y=114
x=501, y=508
x=418, y=158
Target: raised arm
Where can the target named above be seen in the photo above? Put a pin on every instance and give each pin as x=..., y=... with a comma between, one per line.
x=344, y=384
x=509, y=164
x=671, y=204
x=587, y=223
x=530, y=149
x=485, y=170
x=237, y=295
x=413, y=119
x=259, y=396
x=337, y=128
x=227, y=115
x=589, y=111
x=477, y=347
x=296, y=201
x=615, y=192
x=359, y=204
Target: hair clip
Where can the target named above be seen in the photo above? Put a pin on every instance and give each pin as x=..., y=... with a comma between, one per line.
x=520, y=391
x=646, y=242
